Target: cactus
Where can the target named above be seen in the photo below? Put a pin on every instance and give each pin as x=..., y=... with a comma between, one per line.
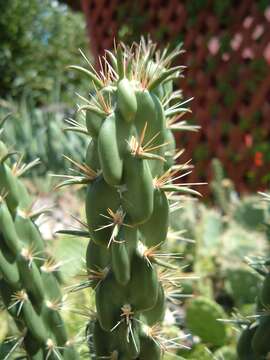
x=249, y=214
x=244, y=347
x=129, y=172
x=202, y=319
x=37, y=132
x=222, y=188
x=29, y=279
x=243, y=284
x=253, y=342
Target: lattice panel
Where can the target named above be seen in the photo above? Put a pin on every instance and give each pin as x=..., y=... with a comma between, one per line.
x=228, y=58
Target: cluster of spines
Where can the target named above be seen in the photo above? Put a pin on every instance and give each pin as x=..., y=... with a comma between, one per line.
x=30, y=278
x=130, y=172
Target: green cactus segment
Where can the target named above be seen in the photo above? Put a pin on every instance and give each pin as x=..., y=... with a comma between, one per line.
x=244, y=349
x=253, y=342
x=109, y=156
x=51, y=286
x=169, y=149
x=29, y=288
x=8, y=266
x=29, y=234
x=32, y=346
x=248, y=215
x=99, y=198
x=8, y=184
x=150, y=112
x=154, y=231
x=92, y=159
x=97, y=258
x=126, y=100
x=132, y=151
x=130, y=346
x=157, y=313
x=221, y=186
x=260, y=341
x=93, y=121
x=33, y=321
x=143, y=277
x=54, y=321
x=150, y=350
x=138, y=197
x=31, y=279
x=202, y=315
x=102, y=348
x=120, y=259
x=8, y=230
x=3, y=150
x=6, y=292
x=265, y=291
x=109, y=310
x=244, y=285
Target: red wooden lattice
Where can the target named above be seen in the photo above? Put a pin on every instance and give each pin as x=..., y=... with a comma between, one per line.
x=228, y=74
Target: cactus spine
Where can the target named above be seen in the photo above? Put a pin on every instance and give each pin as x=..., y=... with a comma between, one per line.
x=29, y=284
x=129, y=172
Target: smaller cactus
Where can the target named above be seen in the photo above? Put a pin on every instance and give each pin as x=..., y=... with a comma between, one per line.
x=30, y=288
x=37, y=133
x=255, y=335
x=202, y=319
x=248, y=214
x=222, y=187
x=243, y=284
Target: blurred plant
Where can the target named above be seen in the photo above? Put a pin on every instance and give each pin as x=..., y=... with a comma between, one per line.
x=222, y=188
x=29, y=274
x=224, y=237
x=253, y=342
x=202, y=318
x=38, y=40
x=37, y=132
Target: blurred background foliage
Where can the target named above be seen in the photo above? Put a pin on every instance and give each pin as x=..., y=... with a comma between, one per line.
x=38, y=131
x=38, y=40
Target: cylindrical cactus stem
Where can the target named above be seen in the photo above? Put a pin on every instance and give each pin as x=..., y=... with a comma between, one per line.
x=8, y=229
x=29, y=235
x=8, y=184
x=31, y=278
x=32, y=347
x=129, y=171
x=8, y=266
x=29, y=285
